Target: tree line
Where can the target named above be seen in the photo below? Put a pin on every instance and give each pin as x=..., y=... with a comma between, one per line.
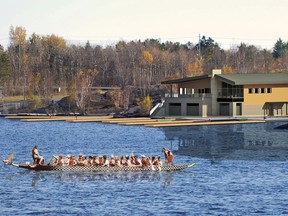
x=36, y=65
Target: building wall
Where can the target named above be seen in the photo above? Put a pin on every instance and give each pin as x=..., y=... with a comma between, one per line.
x=260, y=104
x=204, y=105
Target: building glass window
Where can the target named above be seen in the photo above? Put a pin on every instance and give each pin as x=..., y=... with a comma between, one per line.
x=256, y=90
x=250, y=91
x=269, y=90
x=207, y=90
x=263, y=90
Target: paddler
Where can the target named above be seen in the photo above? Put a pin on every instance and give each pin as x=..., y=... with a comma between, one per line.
x=37, y=159
x=168, y=156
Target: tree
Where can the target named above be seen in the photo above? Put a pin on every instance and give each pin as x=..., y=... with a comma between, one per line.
x=146, y=71
x=146, y=105
x=227, y=69
x=210, y=52
x=84, y=82
x=279, y=48
x=195, y=68
x=116, y=97
x=5, y=70
x=36, y=63
x=18, y=58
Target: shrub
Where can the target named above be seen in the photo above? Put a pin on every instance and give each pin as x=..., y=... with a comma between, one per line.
x=145, y=105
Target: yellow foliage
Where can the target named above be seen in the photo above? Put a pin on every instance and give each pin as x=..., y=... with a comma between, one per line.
x=147, y=56
x=173, y=76
x=56, y=41
x=194, y=69
x=18, y=35
x=146, y=105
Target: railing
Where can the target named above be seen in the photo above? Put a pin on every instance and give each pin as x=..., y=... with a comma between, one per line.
x=196, y=95
x=173, y=95
x=230, y=93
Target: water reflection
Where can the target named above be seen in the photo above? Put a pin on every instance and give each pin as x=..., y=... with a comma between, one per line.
x=237, y=142
x=167, y=178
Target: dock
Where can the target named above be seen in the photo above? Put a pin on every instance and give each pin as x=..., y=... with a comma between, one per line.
x=144, y=121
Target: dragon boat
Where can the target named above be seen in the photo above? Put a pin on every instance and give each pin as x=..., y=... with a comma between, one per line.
x=99, y=169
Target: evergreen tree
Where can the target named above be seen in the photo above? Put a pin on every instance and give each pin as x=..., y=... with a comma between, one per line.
x=279, y=48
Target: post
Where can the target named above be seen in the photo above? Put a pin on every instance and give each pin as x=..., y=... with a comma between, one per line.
x=24, y=89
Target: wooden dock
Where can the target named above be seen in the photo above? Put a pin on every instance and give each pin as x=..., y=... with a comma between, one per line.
x=167, y=122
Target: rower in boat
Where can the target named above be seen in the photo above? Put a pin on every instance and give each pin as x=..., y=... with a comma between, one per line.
x=105, y=161
x=118, y=162
x=159, y=162
x=146, y=161
x=81, y=160
x=37, y=159
x=59, y=160
x=168, y=156
x=127, y=161
x=112, y=161
x=137, y=161
x=72, y=160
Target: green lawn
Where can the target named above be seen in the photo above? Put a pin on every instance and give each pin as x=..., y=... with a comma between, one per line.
x=13, y=99
x=21, y=98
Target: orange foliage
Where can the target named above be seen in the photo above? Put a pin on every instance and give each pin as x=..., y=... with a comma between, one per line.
x=194, y=69
x=147, y=57
x=226, y=69
x=172, y=77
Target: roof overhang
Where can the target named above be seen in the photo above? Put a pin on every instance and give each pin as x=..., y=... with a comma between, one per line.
x=253, y=79
x=187, y=79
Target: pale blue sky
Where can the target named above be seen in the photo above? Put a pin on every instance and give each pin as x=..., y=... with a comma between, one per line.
x=228, y=22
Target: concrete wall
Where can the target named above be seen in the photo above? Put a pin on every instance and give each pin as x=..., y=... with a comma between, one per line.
x=215, y=85
x=204, y=105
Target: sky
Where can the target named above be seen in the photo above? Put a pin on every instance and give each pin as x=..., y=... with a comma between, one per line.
x=105, y=22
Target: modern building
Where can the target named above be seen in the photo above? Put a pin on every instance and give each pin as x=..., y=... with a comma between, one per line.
x=220, y=94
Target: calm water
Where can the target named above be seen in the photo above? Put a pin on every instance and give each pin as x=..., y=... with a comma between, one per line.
x=241, y=170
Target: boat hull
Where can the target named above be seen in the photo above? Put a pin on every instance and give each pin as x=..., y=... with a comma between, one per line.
x=101, y=169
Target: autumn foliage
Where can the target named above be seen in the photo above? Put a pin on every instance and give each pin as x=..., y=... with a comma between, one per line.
x=38, y=64
x=145, y=105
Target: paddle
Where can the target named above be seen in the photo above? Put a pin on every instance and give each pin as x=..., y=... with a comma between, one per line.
x=9, y=160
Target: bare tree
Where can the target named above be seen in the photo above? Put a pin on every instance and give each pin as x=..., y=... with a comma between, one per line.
x=83, y=88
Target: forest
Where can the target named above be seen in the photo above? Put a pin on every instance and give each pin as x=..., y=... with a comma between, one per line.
x=34, y=66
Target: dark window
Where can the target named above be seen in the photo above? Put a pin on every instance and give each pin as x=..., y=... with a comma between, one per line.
x=262, y=90
x=269, y=90
x=256, y=90
x=250, y=91
x=201, y=91
x=207, y=90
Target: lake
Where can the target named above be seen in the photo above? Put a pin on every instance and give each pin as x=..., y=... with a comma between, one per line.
x=241, y=170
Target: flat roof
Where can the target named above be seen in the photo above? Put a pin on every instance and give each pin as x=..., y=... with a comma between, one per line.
x=244, y=79
x=239, y=79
